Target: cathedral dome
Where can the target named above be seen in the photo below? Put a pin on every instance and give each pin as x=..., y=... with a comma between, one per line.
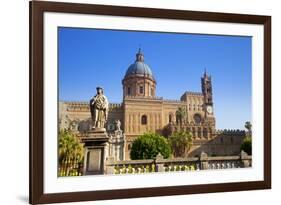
x=139, y=67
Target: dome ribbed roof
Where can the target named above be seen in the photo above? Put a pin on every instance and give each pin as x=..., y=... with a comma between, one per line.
x=139, y=67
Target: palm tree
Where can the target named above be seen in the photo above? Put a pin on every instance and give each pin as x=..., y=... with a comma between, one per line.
x=181, y=143
x=180, y=115
x=248, y=126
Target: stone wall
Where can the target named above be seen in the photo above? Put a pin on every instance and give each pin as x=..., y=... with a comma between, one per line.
x=77, y=116
x=194, y=104
x=224, y=143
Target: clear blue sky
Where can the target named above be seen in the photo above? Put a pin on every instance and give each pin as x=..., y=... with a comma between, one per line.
x=89, y=58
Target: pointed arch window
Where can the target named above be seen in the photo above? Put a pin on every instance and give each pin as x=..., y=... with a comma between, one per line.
x=170, y=118
x=199, y=132
x=129, y=91
x=205, y=132
x=144, y=120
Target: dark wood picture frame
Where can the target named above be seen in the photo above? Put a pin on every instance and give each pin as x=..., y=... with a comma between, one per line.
x=37, y=9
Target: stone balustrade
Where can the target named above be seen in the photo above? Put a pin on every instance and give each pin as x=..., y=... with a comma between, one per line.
x=159, y=164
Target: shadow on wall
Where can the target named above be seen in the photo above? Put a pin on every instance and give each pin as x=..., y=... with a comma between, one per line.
x=224, y=144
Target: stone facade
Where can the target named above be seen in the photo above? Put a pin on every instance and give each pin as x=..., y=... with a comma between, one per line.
x=117, y=143
x=141, y=111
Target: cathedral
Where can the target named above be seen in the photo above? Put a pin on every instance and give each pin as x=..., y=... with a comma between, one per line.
x=142, y=111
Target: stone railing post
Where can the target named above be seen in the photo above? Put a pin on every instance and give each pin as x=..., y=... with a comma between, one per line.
x=244, y=159
x=109, y=165
x=204, y=164
x=159, y=163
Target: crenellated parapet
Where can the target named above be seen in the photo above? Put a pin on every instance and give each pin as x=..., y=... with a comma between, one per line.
x=191, y=93
x=77, y=106
x=230, y=132
x=172, y=101
x=115, y=106
x=84, y=106
x=143, y=97
x=192, y=96
x=191, y=123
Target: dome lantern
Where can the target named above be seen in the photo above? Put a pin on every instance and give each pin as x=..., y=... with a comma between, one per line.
x=139, y=56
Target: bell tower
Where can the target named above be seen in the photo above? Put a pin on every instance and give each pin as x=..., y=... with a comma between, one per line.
x=206, y=84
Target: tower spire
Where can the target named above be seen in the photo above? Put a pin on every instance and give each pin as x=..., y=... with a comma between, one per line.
x=206, y=85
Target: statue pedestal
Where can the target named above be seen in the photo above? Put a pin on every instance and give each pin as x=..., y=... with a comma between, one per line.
x=96, y=151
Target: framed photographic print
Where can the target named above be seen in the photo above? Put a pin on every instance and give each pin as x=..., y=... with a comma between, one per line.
x=135, y=102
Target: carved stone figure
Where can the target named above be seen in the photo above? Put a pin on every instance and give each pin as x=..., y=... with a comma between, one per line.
x=99, y=109
x=118, y=125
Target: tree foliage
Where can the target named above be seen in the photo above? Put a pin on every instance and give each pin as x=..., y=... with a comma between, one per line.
x=180, y=115
x=180, y=142
x=247, y=141
x=70, y=147
x=148, y=145
x=247, y=145
x=248, y=126
x=167, y=130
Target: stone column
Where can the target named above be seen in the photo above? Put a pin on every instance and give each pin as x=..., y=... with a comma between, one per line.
x=196, y=132
x=245, y=162
x=204, y=164
x=124, y=147
x=201, y=133
x=118, y=151
x=159, y=163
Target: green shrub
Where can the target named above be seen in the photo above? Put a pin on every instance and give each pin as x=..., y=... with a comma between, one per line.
x=148, y=145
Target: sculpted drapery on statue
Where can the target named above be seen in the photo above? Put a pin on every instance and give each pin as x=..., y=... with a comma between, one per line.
x=99, y=109
x=118, y=125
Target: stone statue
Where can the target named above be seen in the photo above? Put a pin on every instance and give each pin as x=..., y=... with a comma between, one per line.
x=99, y=109
x=118, y=125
